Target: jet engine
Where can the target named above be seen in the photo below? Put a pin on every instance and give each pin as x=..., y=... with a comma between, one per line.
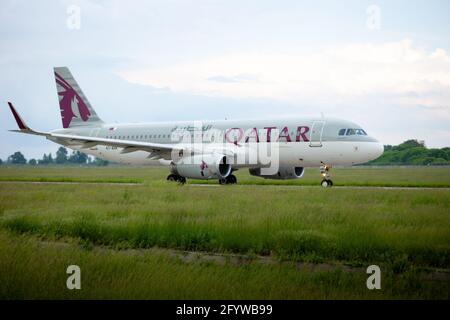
x=202, y=166
x=283, y=173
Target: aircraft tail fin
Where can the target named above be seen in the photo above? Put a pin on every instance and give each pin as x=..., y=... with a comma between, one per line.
x=75, y=108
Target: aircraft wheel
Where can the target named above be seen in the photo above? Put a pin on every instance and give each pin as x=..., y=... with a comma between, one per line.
x=231, y=179
x=172, y=177
x=182, y=180
x=222, y=181
x=326, y=183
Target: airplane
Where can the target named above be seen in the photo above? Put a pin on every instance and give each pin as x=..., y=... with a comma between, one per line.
x=270, y=148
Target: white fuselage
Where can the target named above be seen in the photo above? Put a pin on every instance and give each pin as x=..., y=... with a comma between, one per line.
x=301, y=142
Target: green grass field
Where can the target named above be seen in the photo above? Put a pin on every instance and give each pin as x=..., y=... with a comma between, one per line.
x=107, y=228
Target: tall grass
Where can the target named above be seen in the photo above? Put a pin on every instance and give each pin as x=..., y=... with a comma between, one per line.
x=30, y=269
x=312, y=224
x=403, y=231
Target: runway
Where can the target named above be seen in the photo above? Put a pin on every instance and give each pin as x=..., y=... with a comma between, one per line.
x=73, y=183
x=334, y=187
x=218, y=186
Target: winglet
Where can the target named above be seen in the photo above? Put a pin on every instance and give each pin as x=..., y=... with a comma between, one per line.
x=20, y=122
x=23, y=128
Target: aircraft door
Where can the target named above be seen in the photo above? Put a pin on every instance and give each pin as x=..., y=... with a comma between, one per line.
x=315, y=139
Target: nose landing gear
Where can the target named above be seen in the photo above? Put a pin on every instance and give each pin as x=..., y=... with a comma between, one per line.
x=324, y=172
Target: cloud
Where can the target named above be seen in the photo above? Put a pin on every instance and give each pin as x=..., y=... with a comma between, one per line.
x=357, y=69
x=396, y=89
x=235, y=78
x=222, y=79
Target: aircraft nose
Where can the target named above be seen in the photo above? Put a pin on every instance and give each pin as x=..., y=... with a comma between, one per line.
x=378, y=150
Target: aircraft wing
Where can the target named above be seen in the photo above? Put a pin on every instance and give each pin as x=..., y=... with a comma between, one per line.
x=156, y=150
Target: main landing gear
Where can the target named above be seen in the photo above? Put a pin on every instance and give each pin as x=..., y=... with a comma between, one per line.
x=324, y=172
x=231, y=179
x=175, y=177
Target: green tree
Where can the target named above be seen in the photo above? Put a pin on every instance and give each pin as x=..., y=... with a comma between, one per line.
x=17, y=158
x=413, y=152
x=1, y=162
x=43, y=160
x=408, y=144
x=78, y=157
x=32, y=162
x=61, y=155
x=438, y=153
x=407, y=155
x=46, y=159
x=439, y=162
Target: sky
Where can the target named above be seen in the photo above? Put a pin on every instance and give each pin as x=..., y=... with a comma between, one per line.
x=382, y=64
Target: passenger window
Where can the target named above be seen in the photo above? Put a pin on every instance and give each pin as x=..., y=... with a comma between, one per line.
x=342, y=132
x=350, y=132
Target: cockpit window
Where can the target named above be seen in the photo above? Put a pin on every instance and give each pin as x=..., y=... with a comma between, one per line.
x=342, y=132
x=361, y=132
x=352, y=132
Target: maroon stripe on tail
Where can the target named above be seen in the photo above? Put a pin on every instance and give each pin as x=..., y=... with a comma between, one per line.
x=19, y=121
x=61, y=79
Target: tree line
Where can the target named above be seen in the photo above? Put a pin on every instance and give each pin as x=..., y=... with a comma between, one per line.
x=413, y=152
x=62, y=157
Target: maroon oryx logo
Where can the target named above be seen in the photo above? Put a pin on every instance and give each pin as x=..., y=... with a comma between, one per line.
x=203, y=165
x=70, y=103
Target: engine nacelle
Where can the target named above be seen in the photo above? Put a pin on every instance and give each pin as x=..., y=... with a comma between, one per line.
x=202, y=166
x=283, y=173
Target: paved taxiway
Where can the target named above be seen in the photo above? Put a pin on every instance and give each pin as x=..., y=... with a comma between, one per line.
x=217, y=185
